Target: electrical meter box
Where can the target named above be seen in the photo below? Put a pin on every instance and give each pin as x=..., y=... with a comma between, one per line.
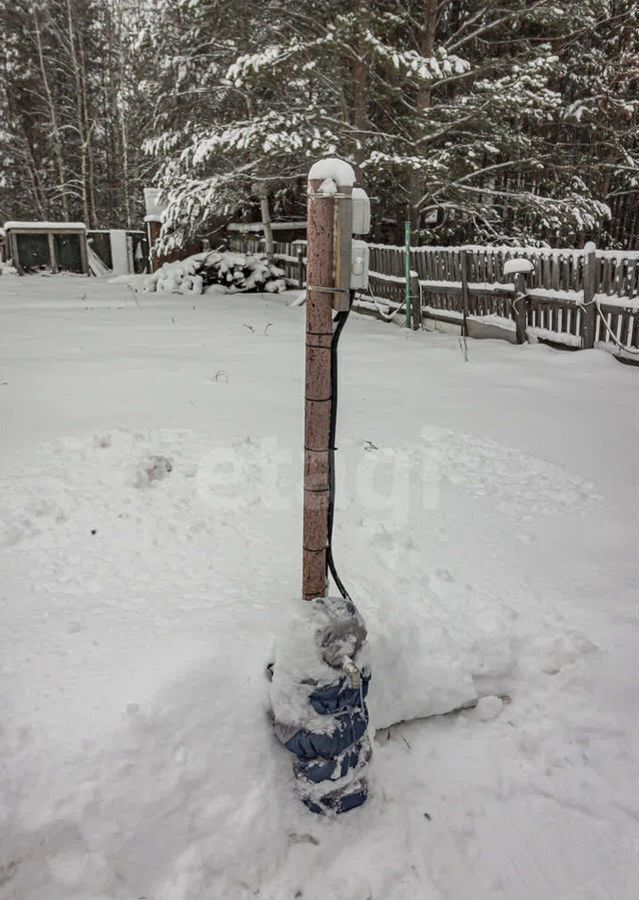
x=361, y=211
x=359, y=265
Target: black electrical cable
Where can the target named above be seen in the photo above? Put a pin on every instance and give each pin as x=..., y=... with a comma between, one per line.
x=339, y=322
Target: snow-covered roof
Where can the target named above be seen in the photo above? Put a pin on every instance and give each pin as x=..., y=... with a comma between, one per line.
x=47, y=226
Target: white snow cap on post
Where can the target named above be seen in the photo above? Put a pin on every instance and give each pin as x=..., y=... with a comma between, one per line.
x=338, y=170
x=513, y=266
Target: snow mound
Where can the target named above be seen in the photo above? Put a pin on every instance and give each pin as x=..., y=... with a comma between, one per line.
x=521, y=484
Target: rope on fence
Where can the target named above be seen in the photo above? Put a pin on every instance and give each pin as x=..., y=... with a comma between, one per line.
x=612, y=334
x=387, y=317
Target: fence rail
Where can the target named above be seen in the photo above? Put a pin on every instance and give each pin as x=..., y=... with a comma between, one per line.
x=577, y=298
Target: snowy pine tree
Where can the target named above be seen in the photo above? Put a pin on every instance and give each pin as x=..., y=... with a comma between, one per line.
x=462, y=110
x=511, y=122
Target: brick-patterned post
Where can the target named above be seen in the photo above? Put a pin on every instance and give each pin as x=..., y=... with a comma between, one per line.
x=328, y=274
x=319, y=332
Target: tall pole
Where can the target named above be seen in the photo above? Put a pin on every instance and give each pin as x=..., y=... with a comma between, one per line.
x=328, y=280
x=317, y=411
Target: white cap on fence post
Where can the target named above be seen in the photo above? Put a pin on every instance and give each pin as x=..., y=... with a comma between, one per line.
x=517, y=265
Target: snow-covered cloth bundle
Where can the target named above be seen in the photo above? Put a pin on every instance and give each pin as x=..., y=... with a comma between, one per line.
x=320, y=683
x=236, y=271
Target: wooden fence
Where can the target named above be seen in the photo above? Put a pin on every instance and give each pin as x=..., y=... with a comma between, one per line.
x=572, y=297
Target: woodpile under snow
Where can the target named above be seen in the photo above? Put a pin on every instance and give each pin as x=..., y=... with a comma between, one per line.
x=239, y=272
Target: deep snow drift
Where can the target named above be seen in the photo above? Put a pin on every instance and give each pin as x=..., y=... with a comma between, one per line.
x=150, y=554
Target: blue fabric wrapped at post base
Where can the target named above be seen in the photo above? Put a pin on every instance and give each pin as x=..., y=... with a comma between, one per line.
x=320, y=713
x=338, y=801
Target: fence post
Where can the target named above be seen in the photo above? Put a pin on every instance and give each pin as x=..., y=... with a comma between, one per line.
x=588, y=311
x=416, y=304
x=520, y=307
x=407, y=272
x=300, y=267
x=464, y=283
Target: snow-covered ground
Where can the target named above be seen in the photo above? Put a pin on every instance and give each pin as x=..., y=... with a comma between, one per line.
x=150, y=554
